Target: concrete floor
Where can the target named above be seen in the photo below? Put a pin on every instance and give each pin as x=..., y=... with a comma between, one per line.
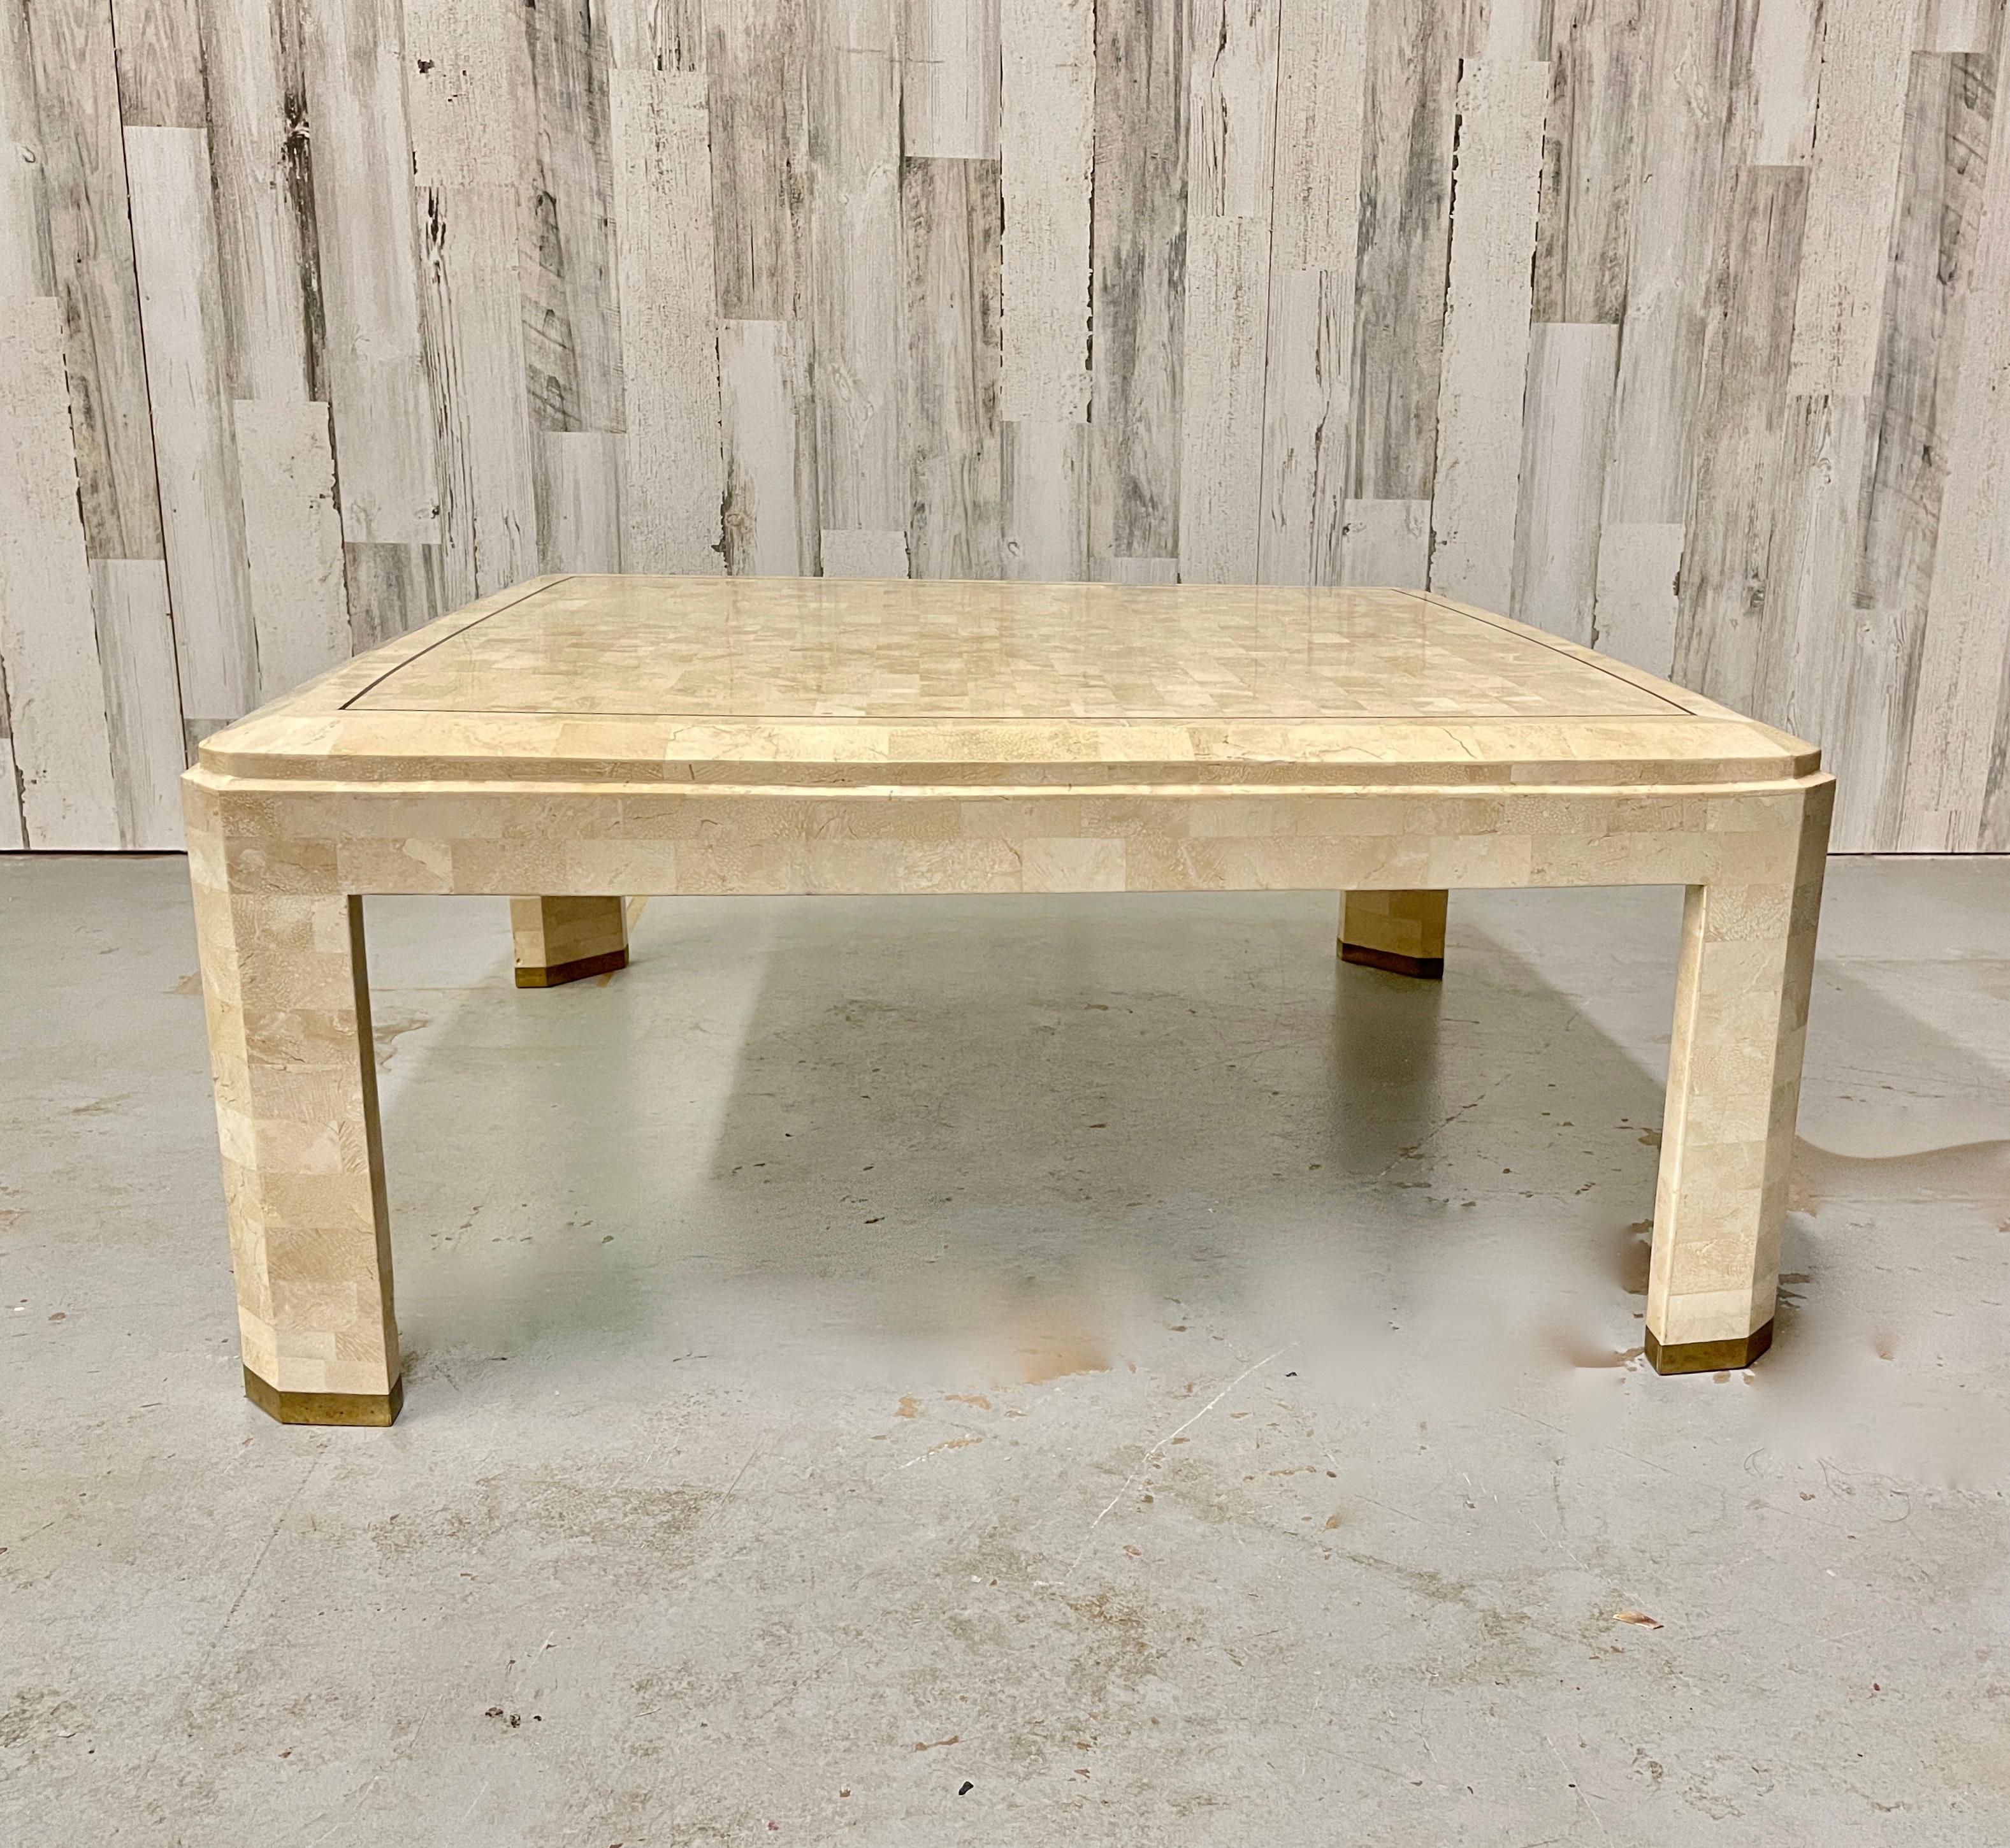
x=1014, y=1371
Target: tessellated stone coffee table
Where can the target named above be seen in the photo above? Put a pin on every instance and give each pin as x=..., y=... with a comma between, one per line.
x=577, y=739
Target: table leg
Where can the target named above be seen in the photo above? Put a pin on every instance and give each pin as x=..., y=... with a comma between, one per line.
x=287, y=997
x=566, y=940
x=1399, y=931
x=1727, y=1136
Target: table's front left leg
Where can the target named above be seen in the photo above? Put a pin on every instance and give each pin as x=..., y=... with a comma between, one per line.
x=1734, y=1092
x=566, y=940
x=287, y=996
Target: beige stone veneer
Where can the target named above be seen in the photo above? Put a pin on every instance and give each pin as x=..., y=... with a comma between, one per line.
x=587, y=738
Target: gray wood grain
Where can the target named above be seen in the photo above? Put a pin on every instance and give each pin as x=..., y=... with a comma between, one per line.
x=1564, y=429
x=160, y=63
x=1943, y=165
x=671, y=461
x=1043, y=500
x=27, y=266
x=1412, y=60
x=1487, y=299
x=1582, y=223
x=293, y=532
x=1639, y=567
x=770, y=518
x=953, y=224
x=1954, y=798
x=83, y=160
x=859, y=267
x=758, y=57
x=1221, y=398
x=1688, y=335
x=1046, y=142
x=1671, y=241
x=61, y=743
x=471, y=321
x=1727, y=624
x=143, y=714
x=1852, y=195
x=572, y=317
x=1315, y=233
x=579, y=501
x=202, y=516
x=950, y=79
x=1386, y=542
x=368, y=246
x=260, y=144
x=1139, y=209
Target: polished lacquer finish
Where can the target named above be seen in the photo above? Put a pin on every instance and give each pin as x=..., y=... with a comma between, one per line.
x=575, y=741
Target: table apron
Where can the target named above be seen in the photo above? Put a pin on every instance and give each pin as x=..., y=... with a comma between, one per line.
x=558, y=841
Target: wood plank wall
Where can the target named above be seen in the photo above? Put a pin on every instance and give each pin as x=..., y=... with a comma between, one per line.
x=1678, y=326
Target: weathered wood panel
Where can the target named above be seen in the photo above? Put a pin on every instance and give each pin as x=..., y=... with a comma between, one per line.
x=950, y=80
x=62, y=746
x=770, y=520
x=1221, y=402
x=285, y=472
x=368, y=268
x=1138, y=208
x=1405, y=233
x=1047, y=140
x=1639, y=567
x=671, y=463
x=572, y=319
x=174, y=244
x=1671, y=244
x=1677, y=327
x=1852, y=192
x=579, y=509
x=135, y=645
x=1955, y=795
x=1386, y=542
x=859, y=267
x=1569, y=415
x=1488, y=297
x=1315, y=233
x=471, y=321
x=1728, y=625
x=1943, y=164
x=83, y=161
x=1582, y=220
x=1049, y=59
x=261, y=159
x=27, y=266
x=954, y=231
x=1043, y=495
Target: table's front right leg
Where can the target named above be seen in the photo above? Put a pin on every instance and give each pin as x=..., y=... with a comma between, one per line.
x=287, y=997
x=1727, y=1136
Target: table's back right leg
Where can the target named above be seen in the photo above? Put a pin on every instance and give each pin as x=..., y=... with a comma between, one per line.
x=566, y=940
x=1399, y=931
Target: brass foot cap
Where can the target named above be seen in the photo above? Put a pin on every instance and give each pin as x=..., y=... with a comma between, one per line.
x=578, y=971
x=1430, y=969
x=325, y=1408
x=1708, y=1356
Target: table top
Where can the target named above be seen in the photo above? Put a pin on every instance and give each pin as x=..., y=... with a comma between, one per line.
x=845, y=681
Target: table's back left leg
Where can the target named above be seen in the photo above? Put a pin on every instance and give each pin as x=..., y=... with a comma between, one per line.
x=1401, y=931
x=566, y=940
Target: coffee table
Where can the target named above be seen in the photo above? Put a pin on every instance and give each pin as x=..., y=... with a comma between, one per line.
x=574, y=740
